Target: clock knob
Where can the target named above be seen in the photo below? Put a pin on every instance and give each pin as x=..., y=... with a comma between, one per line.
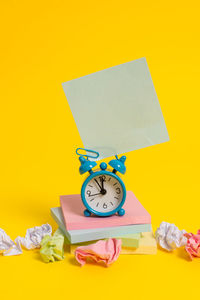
x=118, y=164
x=86, y=165
x=103, y=166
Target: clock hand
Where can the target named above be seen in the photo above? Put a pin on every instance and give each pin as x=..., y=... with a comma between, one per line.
x=95, y=194
x=98, y=184
x=102, y=181
x=102, y=191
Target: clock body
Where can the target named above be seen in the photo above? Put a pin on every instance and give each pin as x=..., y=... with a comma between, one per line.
x=110, y=201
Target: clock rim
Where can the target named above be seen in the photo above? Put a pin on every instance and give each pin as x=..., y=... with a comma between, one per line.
x=90, y=177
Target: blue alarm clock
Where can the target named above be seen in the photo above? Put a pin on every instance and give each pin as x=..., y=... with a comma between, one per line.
x=103, y=192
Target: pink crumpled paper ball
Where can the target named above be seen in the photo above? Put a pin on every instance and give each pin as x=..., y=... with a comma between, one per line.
x=193, y=244
x=102, y=251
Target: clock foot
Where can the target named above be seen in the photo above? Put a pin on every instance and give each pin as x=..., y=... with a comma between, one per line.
x=121, y=212
x=87, y=213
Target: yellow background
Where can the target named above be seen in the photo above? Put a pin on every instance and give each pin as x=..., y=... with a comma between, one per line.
x=44, y=43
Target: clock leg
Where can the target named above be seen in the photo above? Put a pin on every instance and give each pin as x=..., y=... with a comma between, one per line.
x=87, y=213
x=121, y=212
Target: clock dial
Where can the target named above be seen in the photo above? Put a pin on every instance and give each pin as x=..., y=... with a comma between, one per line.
x=103, y=193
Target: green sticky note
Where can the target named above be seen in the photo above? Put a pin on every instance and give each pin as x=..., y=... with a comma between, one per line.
x=116, y=110
x=130, y=240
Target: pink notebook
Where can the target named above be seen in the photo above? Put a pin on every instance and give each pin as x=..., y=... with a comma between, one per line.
x=72, y=209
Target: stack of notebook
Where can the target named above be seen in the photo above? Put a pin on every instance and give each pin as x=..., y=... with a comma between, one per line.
x=134, y=228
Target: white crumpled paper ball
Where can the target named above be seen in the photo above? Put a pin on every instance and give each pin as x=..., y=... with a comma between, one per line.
x=33, y=237
x=169, y=237
x=32, y=240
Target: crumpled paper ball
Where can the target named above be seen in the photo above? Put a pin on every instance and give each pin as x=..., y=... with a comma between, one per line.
x=169, y=237
x=52, y=247
x=7, y=246
x=193, y=244
x=106, y=251
x=30, y=241
x=33, y=237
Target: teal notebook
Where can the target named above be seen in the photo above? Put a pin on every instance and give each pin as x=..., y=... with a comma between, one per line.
x=84, y=235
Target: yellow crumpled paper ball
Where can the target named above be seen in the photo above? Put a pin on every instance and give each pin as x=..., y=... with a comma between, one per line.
x=52, y=247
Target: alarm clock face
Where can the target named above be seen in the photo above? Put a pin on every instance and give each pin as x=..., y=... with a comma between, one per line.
x=104, y=194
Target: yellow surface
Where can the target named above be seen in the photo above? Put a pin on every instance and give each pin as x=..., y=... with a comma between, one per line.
x=44, y=43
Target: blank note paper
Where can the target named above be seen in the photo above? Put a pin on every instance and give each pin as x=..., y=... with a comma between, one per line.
x=117, y=110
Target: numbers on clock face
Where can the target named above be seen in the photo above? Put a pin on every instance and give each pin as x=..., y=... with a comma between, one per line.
x=103, y=193
x=88, y=193
x=118, y=191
